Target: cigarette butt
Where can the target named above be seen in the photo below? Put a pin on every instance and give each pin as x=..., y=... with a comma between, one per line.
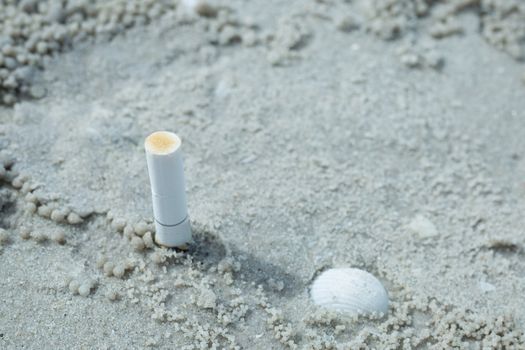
x=166, y=174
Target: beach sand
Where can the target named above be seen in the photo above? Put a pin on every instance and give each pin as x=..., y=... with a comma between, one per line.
x=313, y=137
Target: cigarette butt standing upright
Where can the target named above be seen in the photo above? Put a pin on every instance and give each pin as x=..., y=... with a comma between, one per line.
x=166, y=175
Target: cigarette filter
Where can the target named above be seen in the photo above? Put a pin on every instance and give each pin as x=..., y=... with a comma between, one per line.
x=166, y=175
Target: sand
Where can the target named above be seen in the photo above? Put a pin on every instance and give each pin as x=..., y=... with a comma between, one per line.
x=313, y=137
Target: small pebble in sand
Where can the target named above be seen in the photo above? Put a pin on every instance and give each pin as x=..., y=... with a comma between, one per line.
x=200, y=7
x=445, y=28
x=138, y=244
x=85, y=289
x=158, y=258
x=274, y=58
x=18, y=182
x=112, y=295
x=229, y=35
x=74, y=218
x=44, y=211
x=7, y=160
x=411, y=60
x=58, y=215
x=39, y=237
x=4, y=237
x=24, y=233
x=119, y=271
x=141, y=228
x=249, y=38
x=30, y=208
x=148, y=240
x=129, y=264
x=206, y=10
x=30, y=197
x=59, y=237
x=108, y=268
x=129, y=232
x=8, y=99
x=346, y=23
x=26, y=188
x=74, y=286
x=118, y=224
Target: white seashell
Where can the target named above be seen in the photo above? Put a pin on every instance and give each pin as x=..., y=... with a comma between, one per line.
x=349, y=290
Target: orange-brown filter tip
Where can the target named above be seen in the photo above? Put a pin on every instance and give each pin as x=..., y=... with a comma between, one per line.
x=162, y=142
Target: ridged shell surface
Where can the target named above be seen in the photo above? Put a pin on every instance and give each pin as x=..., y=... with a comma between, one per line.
x=349, y=290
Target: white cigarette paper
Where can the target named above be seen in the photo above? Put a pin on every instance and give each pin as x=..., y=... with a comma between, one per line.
x=166, y=174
